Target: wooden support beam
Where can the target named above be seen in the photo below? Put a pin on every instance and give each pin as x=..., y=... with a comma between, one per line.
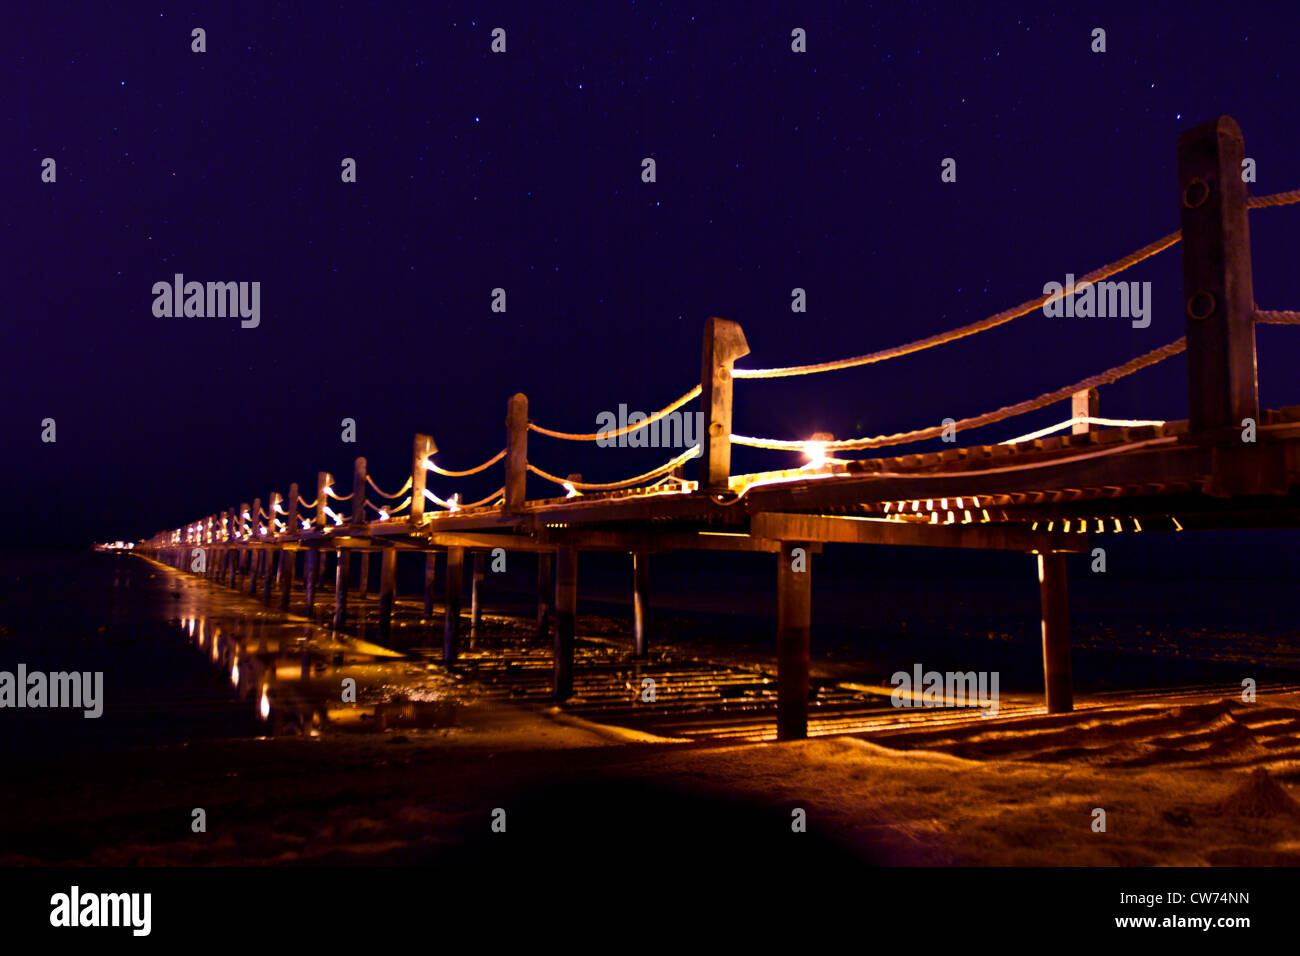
x=342, y=571
x=476, y=597
x=424, y=447
x=566, y=619
x=1055, y=601
x=359, y=491
x=387, y=591
x=724, y=342
x=310, y=578
x=516, y=452
x=430, y=572
x=793, y=640
x=288, y=560
x=545, y=593
x=1084, y=404
x=640, y=596
x=852, y=530
x=451, y=619
x=254, y=556
x=363, y=587
x=1217, y=284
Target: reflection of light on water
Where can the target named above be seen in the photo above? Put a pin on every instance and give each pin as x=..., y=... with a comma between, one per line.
x=264, y=708
x=234, y=673
x=191, y=627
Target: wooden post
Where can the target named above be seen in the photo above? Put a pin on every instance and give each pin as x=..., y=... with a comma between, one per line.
x=566, y=618
x=359, y=491
x=323, y=480
x=724, y=342
x=256, y=554
x=451, y=620
x=242, y=553
x=640, y=593
x=235, y=522
x=545, y=593
x=424, y=447
x=387, y=591
x=475, y=598
x=1055, y=600
x=341, y=570
x=364, y=586
x=288, y=559
x=268, y=584
x=1084, y=404
x=430, y=567
x=793, y=639
x=309, y=579
x=1217, y=285
x=516, y=451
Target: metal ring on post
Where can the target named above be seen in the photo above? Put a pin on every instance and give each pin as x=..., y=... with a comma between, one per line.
x=1193, y=197
x=1201, y=296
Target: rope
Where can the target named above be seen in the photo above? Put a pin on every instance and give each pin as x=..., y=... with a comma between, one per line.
x=1277, y=199
x=1083, y=420
x=615, y=485
x=1273, y=317
x=307, y=504
x=626, y=429
x=1008, y=411
x=400, y=491
x=347, y=497
x=1132, y=259
x=261, y=513
x=499, y=493
x=405, y=501
x=428, y=463
x=982, y=325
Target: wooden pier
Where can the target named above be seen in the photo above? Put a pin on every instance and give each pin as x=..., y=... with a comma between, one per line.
x=1229, y=464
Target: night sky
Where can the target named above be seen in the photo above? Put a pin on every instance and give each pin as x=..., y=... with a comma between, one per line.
x=522, y=171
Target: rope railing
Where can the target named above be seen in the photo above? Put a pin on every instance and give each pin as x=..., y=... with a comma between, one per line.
x=499, y=493
x=617, y=432
x=978, y=421
x=447, y=472
x=1276, y=317
x=1001, y=318
x=616, y=485
x=400, y=491
x=656, y=477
